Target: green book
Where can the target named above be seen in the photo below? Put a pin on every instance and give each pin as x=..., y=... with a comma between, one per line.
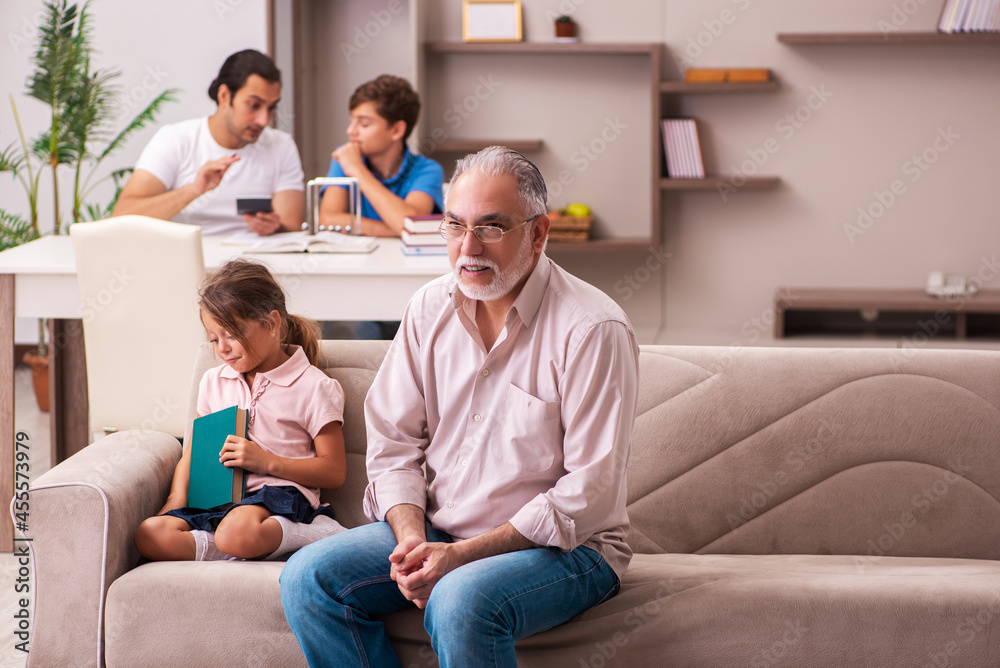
x=211, y=483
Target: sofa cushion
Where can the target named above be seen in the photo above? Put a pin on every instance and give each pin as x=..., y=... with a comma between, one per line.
x=674, y=609
x=188, y=613
x=753, y=610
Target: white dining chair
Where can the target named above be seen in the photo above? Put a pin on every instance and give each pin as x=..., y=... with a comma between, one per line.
x=139, y=279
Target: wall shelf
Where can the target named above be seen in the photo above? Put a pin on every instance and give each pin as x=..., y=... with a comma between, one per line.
x=576, y=67
x=859, y=38
x=714, y=182
x=549, y=48
x=686, y=87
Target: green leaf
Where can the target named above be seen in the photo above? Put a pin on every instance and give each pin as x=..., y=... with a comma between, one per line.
x=11, y=160
x=58, y=59
x=15, y=230
x=141, y=120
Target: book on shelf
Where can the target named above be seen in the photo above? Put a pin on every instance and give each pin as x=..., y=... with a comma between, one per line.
x=682, y=149
x=970, y=16
x=748, y=75
x=423, y=224
x=211, y=483
x=705, y=75
x=727, y=74
x=321, y=242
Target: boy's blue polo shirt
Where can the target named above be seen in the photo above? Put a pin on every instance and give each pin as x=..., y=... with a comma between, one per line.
x=417, y=173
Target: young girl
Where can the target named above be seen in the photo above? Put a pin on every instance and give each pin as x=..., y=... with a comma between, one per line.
x=295, y=444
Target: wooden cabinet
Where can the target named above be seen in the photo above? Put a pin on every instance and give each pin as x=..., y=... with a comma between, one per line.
x=886, y=312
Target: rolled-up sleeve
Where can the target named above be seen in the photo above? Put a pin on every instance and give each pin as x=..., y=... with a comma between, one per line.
x=396, y=420
x=599, y=394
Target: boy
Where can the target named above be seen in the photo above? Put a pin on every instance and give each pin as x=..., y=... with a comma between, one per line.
x=394, y=182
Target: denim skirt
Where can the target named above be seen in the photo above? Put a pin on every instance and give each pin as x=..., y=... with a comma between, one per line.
x=286, y=501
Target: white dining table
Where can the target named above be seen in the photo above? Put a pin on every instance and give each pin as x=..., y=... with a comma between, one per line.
x=38, y=280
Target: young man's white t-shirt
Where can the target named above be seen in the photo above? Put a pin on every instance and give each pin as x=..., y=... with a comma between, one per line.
x=269, y=165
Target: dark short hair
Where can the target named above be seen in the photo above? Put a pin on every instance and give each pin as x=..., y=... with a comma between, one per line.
x=238, y=68
x=394, y=98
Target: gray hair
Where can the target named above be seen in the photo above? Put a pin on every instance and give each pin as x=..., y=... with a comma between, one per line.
x=497, y=161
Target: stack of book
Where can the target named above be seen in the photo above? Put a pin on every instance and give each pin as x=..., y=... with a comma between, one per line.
x=970, y=16
x=421, y=235
x=727, y=75
x=681, y=147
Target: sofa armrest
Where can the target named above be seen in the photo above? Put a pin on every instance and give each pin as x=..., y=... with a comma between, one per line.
x=83, y=514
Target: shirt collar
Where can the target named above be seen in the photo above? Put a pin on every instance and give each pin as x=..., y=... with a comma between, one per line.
x=285, y=374
x=526, y=303
x=530, y=298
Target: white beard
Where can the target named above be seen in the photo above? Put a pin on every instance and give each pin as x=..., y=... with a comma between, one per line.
x=503, y=280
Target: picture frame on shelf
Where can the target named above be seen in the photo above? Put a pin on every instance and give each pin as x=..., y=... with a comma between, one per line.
x=491, y=21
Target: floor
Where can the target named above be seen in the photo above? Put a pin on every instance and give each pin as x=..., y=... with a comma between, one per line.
x=35, y=424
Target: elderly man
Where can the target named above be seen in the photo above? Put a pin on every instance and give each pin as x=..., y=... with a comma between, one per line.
x=193, y=171
x=498, y=433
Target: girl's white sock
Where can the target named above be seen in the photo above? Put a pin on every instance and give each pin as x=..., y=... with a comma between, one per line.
x=295, y=534
x=205, y=549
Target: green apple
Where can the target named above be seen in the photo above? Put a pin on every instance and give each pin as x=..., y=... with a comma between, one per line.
x=577, y=210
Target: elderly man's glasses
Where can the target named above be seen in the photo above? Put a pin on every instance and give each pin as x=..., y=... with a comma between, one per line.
x=488, y=234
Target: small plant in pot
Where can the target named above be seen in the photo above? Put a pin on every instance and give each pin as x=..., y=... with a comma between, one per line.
x=565, y=29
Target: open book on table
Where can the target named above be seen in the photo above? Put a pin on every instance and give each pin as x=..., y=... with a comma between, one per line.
x=321, y=242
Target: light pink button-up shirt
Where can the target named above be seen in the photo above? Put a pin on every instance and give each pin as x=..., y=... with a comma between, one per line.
x=535, y=431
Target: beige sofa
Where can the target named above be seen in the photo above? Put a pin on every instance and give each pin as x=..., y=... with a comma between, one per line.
x=789, y=507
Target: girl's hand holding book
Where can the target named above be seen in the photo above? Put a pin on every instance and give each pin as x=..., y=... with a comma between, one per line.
x=245, y=454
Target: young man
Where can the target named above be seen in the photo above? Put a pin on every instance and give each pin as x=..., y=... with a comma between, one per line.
x=498, y=433
x=193, y=171
x=394, y=182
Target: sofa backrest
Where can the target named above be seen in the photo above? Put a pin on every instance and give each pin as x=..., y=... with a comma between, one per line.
x=783, y=450
x=817, y=451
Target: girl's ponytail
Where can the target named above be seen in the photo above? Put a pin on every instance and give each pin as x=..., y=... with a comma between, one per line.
x=303, y=332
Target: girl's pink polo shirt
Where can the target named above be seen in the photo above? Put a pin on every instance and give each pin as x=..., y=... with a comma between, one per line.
x=289, y=406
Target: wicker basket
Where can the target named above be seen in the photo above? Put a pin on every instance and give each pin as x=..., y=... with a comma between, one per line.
x=570, y=228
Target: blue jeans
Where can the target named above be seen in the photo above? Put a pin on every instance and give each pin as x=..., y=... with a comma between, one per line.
x=335, y=590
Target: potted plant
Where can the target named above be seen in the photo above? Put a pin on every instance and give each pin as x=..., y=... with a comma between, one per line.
x=81, y=108
x=565, y=29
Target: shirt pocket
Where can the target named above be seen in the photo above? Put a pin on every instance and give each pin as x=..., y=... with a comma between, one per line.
x=528, y=432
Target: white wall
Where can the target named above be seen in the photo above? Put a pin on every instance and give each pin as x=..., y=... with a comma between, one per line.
x=858, y=116
x=880, y=106
x=155, y=46
x=351, y=42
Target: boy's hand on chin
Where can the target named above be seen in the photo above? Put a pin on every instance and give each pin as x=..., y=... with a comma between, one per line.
x=350, y=158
